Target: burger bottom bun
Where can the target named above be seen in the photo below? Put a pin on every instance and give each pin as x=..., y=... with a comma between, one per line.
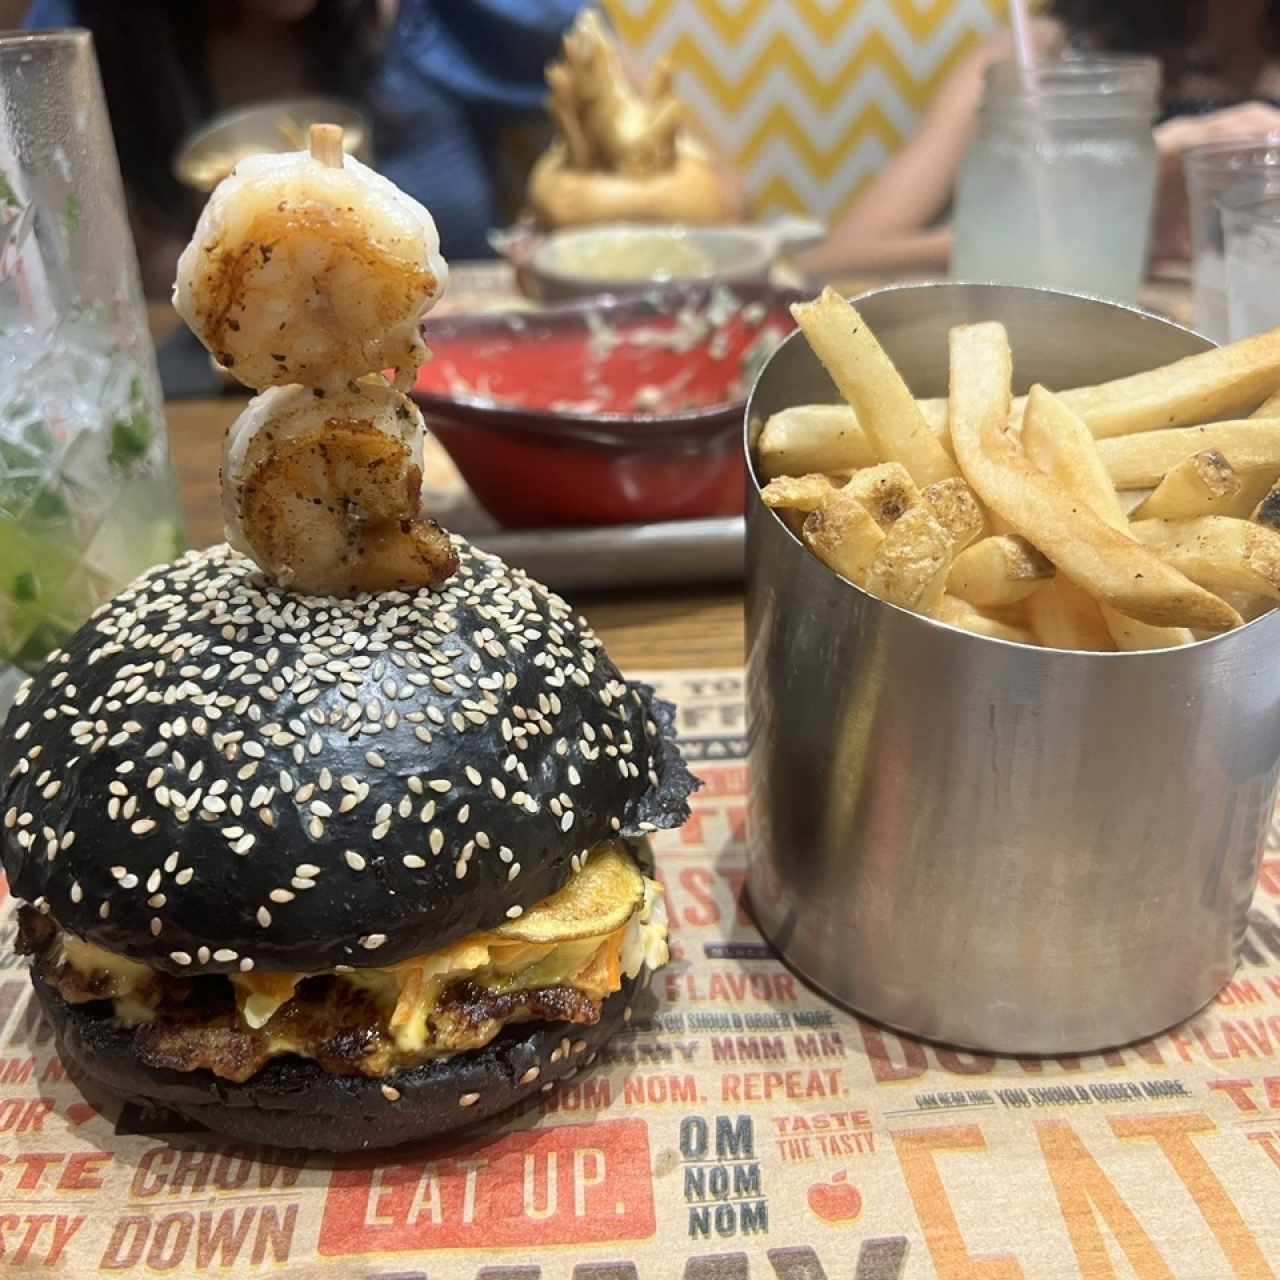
x=690, y=191
x=291, y=1102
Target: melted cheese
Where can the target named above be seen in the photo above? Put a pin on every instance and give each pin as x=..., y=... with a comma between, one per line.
x=126, y=977
x=408, y=992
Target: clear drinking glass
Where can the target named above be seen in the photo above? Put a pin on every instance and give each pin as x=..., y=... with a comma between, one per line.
x=1212, y=171
x=1251, y=230
x=1058, y=186
x=87, y=497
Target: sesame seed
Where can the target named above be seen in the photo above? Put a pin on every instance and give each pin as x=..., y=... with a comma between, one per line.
x=264, y=917
x=180, y=957
x=184, y=876
x=531, y=1075
x=245, y=964
x=391, y=1093
x=516, y=911
x=224, y=955
x=436, y=840
x=468, y=1100
x=372, y=941
x=413, y=861
x=440, y=784
x=374, y=759
x=354, y=860
x=77, y=894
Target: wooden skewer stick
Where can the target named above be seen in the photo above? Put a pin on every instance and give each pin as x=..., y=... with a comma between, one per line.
x=326, y=145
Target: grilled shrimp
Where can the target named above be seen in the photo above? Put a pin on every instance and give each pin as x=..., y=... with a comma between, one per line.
x=301, y=271
x=322, y=489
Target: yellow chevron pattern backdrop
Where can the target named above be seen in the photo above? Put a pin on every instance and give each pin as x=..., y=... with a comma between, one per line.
x=810, y=96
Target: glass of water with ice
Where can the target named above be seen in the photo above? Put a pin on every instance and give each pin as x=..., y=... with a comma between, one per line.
x=1239, y=169
x=1058, y=186
x=1251, y=233
x=87, y=497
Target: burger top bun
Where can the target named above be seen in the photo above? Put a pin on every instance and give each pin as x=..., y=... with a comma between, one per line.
x=216, y=774
x=622, y=153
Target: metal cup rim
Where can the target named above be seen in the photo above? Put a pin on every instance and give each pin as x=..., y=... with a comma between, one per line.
x=1270, y=619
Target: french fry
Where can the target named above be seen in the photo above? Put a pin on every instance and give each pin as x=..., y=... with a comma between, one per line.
x=865, y=376
x=1267, y=512
x=1060, y=444
x=828, y=437
x=960, y=613
x=886, y=490
x=842, y=534
x=1205, y=484
x=797, y=493
x=956, y=508
x=910, y=567
x=1248, y=605
x=1269, y=408
x=1062, y=616
x=997, y=571
x=1082, y=546
x=1142, y=461
x=1218, y=552
x=813, y=438
x=1201, y=388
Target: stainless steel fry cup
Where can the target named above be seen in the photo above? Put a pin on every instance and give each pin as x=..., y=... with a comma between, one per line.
x=1003, y=847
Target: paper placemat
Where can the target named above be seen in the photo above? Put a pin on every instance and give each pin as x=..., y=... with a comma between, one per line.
x=743, y=1129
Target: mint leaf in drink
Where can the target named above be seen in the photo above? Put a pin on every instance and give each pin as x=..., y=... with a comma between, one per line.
x=130, y=439
x=8, y=200
x=50, y=505
x=71, y=214
x=25, y=588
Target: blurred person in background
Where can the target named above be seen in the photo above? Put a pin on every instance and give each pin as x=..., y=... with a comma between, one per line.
x=443, y=81
x=1221, y=79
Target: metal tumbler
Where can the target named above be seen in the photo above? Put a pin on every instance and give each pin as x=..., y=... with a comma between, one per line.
x=1003, y=847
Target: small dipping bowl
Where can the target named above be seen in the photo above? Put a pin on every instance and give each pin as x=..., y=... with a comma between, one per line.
x=618, y=411
x=635, y=257
x=1003, y=847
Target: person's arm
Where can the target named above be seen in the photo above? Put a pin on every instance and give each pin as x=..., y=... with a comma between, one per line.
x=1249, y=122
x=889, y=224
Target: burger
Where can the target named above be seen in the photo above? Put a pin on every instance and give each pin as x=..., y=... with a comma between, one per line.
x=335, y=873
x=333, y=836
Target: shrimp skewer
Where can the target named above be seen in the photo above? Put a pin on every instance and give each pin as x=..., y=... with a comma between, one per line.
x=309, y=267
x=322, y=489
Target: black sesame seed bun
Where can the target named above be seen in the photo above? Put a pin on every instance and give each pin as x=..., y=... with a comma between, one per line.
x=216, y=774
x=292, y=1102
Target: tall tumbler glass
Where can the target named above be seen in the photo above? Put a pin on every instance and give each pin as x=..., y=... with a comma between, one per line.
x=1251, y=233
x=1212, y=171
x=87, y=497
x=1057, y=188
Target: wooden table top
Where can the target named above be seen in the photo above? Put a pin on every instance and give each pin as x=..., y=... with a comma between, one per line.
x=656, y=629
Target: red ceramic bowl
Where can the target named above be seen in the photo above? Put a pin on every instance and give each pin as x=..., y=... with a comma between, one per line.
x=613, y=411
